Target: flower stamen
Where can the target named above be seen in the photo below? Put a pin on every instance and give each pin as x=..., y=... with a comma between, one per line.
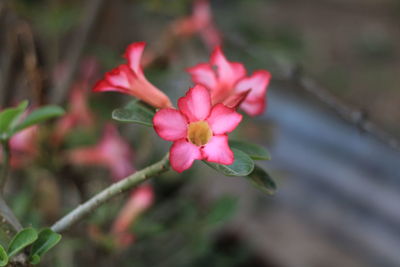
x=199, y=133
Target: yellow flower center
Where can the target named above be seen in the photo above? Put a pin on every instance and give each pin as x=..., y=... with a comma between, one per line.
x=199, y=133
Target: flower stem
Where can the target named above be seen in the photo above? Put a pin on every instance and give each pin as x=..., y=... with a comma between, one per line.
x=115, y=189
x=6, y=164
x=9, y=224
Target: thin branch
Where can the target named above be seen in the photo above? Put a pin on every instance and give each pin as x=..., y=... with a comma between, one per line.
x=294, y=74
x=352, y=115
x=33, y=70
x=115, y=189
x=90, y=15
x=5, y=168
x=8, y=222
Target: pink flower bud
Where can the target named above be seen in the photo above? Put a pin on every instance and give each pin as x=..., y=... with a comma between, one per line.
x=129, y=79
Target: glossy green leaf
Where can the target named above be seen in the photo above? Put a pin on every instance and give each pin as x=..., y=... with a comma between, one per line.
x=242, y=166
x=21, y=240
x=222, y=210
x=34, y=259
x=9, y=118
x=254, y=151
x=3, y=257
x=46, y=240
x=39, y=115
x=134, y=112
x=262, y=180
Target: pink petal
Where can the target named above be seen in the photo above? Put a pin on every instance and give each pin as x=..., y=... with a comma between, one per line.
x=182, y=155
x=218, y=151
x=146, y=91
x=211, y=36
x=196, y=104
x=234, y=100
x=118, y=79
x=116, y=153
x=86, y=156
x=133, y=54
x=122, y=79
x=121, y=76
x=203, y=19
x=202, y=13
x=238, y=70
x=228, y=72
x=203, y=74
x=255, y=101
x=223, y=119
x=257, y=82
x=120, y=168
x=139, y=201
x=170, y=124
x=254, y=108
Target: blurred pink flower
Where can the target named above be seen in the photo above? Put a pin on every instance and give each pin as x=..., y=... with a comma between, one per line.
x=228, y=83
x=24, y=147
x=139, y=201
x=129, y=79
x=199, y=22
x=111, y=152
x=198, y=129
x=78, y=113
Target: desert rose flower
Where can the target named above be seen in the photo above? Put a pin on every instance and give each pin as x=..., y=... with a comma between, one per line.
x=198, y=129
x=23, y=147
x=111, y=152
x=199, y=22
x=228, y=83
x=78, y=114
x=129, y=79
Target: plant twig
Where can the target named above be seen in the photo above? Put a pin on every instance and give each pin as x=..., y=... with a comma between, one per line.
x=293, y=73
x=115, y=189
x=357, y=117
x=8, y=222
x=5, y=168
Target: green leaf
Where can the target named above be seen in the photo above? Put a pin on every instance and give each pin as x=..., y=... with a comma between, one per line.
x=262, y=180
x=3, y=257
x=242, y=166
x=254, y=151
x=21, y=240
x=34, y=259
x=222, y=210
x=134, y=112
x=9, y=118
x=46, y=240
x=39, y=115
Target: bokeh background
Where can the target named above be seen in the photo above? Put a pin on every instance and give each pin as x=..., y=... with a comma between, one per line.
x=331, y=127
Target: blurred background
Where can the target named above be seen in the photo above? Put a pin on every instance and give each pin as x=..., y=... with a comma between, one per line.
x=331, y=126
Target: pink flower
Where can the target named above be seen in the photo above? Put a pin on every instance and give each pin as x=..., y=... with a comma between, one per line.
x=129, y=79
x=139, y=201
x=199, y=22
x=78, y=114
x=198, y=129
x=25, y=140
x=111, y=152
x=229, y=84
x=23, y=147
